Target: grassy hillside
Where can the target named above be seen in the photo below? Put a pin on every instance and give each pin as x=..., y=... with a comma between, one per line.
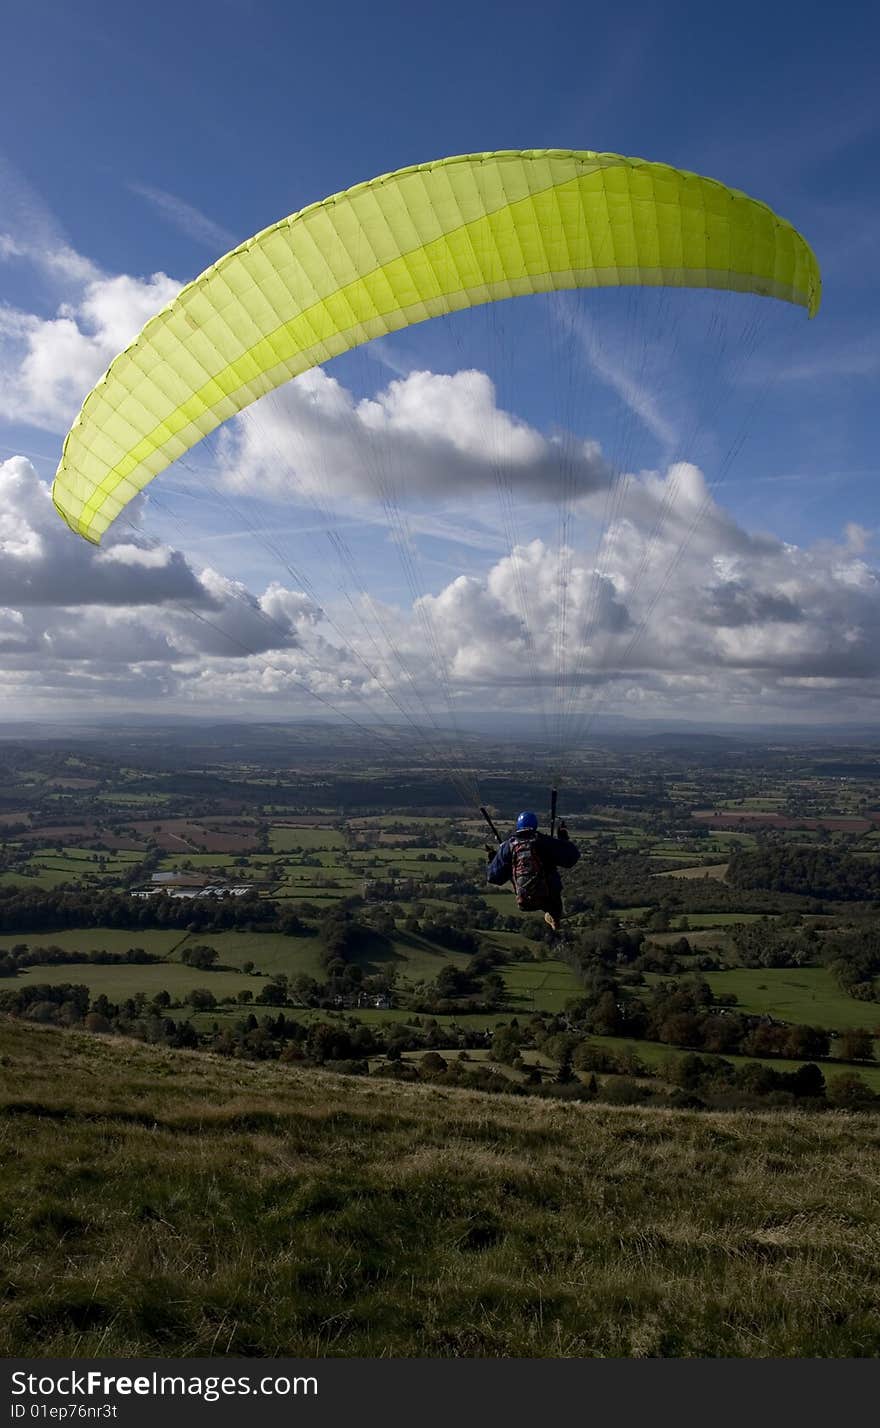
x=165, y=1203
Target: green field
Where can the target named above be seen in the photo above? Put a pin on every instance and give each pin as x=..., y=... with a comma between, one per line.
x=417, y=959
x=700, y=940
x=85, y=859
x=424, y=861
x=540, y=986
x=305, y=881
x=808, y=995
x=122, y=981
x=37, y=875
x=283, y=840
x=100, y=939
x=371, y=1016
x=720, y=840
x=270, y=952
x=308, y=892
x=711, y=870
x=172, y=862
x=48, y=869
x=17, y=880
x=407, y=822
x=804, y=995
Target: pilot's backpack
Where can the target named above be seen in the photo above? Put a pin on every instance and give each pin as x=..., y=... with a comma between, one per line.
x=529, y=874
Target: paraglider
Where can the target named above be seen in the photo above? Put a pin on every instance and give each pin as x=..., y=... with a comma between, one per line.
x=422, y=243
x=531, y=861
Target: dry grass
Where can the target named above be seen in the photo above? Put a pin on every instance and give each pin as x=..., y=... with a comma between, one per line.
x=165, y=1203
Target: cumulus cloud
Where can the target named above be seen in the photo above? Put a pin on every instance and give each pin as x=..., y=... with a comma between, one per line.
x=689, y=612
x=427, y=437
x=42, y=564
x=80, y=621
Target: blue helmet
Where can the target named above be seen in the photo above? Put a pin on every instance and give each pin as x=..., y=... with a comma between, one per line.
x=526, y=822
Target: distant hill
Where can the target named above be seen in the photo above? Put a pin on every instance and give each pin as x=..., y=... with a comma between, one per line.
x=688, y=740
x=473, y=727
x=168, y=1203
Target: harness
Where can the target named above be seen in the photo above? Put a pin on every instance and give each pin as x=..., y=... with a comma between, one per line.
x=529, y=875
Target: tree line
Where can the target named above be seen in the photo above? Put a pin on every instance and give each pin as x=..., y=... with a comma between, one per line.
x=807, y=872
x=692, y=1081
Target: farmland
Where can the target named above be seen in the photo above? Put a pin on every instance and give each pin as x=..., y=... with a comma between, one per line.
x=384, y=864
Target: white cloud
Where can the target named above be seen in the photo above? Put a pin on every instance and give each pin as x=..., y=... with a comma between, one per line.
x=728, y=617
x=76, y=618
x=426, y=437
x=41, y=563
x=30, y=234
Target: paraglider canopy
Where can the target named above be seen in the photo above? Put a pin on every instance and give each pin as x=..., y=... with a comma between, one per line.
x=408, y=246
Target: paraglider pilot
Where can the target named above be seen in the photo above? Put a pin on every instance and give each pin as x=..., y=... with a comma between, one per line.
x=531, y=861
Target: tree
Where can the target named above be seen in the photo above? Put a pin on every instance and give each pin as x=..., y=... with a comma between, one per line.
x=505, y=1045
x=452, y=982
x=304, y=987
x=201, y=999
x=200, y=956
x=808, y=1081
x=850, y=1091
x=806, y=1041
x=274, y=994
x=95, y=1022
x=856, y=1044
x=605, y=1019
x=291, y=924
x=328, y=1043
x=186, y=1035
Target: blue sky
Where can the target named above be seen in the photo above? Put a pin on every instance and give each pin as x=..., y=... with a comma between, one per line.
x=145, y=140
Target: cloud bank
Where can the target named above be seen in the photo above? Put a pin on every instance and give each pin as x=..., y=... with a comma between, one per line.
x=731, y=621
x=681, y=609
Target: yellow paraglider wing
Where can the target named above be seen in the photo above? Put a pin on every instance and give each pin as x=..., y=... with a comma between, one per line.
x=405, y=247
